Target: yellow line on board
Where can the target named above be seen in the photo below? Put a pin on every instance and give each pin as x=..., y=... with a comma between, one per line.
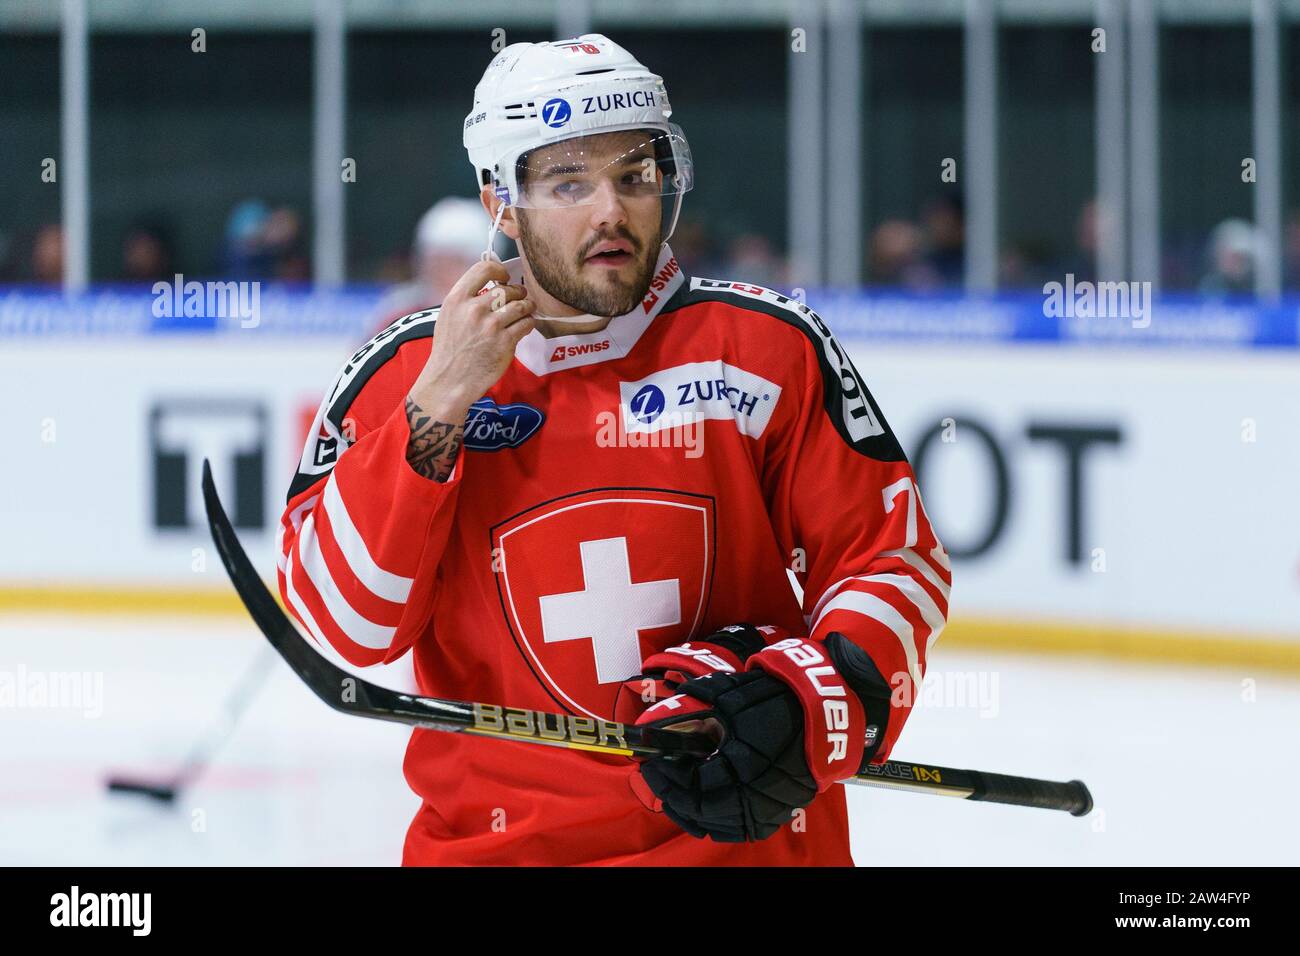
x=1021, y=636
x=54, y=599
x=1117, y=642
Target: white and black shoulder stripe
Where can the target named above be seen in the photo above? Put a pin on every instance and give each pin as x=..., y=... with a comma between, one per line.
x=371, y=357
x=330, y=432
x=852, y=410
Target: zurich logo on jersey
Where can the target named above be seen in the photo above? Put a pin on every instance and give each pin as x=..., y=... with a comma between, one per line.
x=698, y=391
x=491, y=427
x=556, y=112
x=647, y=404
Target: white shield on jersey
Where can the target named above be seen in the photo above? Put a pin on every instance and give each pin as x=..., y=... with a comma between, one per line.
x=593, y=583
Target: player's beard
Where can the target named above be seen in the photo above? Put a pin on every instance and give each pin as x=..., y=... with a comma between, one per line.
x=558, y=273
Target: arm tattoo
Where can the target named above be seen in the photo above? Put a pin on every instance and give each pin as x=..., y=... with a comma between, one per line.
x=433, y=445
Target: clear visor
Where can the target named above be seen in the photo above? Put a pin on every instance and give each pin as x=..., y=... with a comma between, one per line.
x=627, y=164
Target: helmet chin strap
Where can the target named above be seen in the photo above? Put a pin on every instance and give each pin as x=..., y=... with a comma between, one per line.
x=490, y=253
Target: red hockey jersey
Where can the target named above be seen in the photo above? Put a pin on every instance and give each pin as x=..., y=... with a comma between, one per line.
x=617, y=493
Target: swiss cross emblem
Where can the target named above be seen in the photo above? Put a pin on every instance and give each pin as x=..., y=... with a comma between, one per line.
x=593, y=583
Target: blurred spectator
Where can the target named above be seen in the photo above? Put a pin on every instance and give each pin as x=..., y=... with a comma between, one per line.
x=944, y=219
x=693, y=245
x=284, y=243
x=1233, y=249
x=1291, y=251
x=449, y=238
x=1027, y=265
x=1082, y=262
x=47, y=255
x=243, y=256
x=895, y=256
x=1181, y=256
x=751, y=258
x=148, y=254
x=262, y=243
x=10, y=269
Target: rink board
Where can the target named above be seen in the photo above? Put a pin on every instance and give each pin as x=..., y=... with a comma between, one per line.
x=1121, y=489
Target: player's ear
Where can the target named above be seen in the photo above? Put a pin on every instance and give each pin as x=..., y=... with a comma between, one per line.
x=509, y=226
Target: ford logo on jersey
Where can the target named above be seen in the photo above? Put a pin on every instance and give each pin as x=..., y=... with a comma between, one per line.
x=556, y=112
x=491, y=427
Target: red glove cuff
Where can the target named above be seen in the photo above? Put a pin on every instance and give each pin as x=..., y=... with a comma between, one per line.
x=673, y=709
x=835, y=722
x=663, y=671
x=692, y=659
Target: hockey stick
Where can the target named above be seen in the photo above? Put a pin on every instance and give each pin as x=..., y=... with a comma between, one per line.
x=352, y=695
x=250, y=682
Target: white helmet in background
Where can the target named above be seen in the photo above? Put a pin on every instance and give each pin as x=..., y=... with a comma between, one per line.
x=452, y=224
x=540, y=94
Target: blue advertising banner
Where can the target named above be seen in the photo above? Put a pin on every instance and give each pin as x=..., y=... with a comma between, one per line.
x=1066, y=316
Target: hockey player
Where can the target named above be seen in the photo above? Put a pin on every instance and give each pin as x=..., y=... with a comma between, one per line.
x=580, y=484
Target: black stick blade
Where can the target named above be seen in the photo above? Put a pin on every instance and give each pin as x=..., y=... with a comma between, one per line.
x=333, y=685
x=160, y=792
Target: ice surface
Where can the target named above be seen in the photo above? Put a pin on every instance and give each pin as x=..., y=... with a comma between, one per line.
x=1186, y=768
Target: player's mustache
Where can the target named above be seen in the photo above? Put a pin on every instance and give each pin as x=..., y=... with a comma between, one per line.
x=624, y=234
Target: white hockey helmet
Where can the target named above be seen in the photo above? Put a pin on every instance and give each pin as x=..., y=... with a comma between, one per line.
x=565, y=91
x=452, y=224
